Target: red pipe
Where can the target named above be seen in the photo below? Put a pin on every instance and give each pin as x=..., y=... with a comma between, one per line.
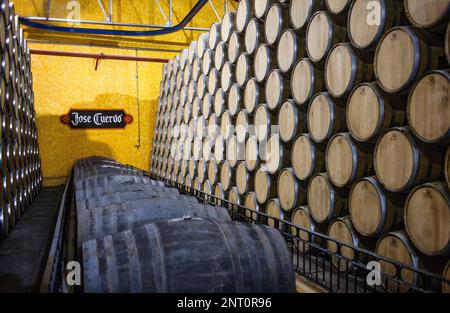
x=100, y=56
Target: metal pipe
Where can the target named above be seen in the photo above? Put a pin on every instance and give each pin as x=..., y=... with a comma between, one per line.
x=100, y=56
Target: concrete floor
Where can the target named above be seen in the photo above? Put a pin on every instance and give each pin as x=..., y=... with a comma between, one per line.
x=23, y=254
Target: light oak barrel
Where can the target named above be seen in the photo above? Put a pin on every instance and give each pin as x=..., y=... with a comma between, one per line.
x=196, y=184
x=244, y=179
x=291, y=121
x=427, y=218
x=188, y=181
x=187, y=74
x=325, y=201
x=244, y=12
x=263, y=122
x=227, y=175
x=220, y=55
x=252, y=153
x=220, y=100
x=402, y=57
x=370, y=112
x=244, y=69
x=235, y=199
x=208, y=191
x=274, y=210
x=277, y=19
x=202, y=170
x=402, y=162
x=374, y=210
x=220, y=194
x=228, y=26
x=306, y=81
x=214, y=35
x=277, y=90
x=428, y=14
x=213, y=127
x=192, y=91
x=235, y=99
x=219, y=148
x=347, y=161
x=192, y=167
x=253, y=95
x=290, y=48
x=196, y=69
x=262, y=6
x=290, y=192
x=339, y=10
x=265, y=186
x=207, y=61
x=226, y=125
x=213, y=171
x=322, y=34
x=306, y=158
x=207, y=105
x=344, y=70
x=192, y=52
x=325, y=118
x=277, y=157
x=213, y=81
x=254, y=35
x=235, y=151
x=202, y=44
x=236, y=46
x=428, y=109
x=301, y=11
x=228, y=76
x=265, y=61
x=302, y=218
x=251, y=203
x=202, y=86
x=242, y=126
x=201, y=128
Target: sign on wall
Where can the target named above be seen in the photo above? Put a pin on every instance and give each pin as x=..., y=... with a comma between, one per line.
x=82, y=119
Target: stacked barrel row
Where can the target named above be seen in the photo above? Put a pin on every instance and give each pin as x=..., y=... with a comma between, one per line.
x=358, y=91
x=20, y=163
x=137, y=235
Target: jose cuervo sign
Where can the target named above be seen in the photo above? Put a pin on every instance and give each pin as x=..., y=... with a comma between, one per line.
x=82, y=119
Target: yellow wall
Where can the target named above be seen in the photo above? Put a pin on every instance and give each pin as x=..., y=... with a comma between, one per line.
x=62, y=83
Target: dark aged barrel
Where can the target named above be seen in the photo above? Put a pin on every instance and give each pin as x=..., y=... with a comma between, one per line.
x=277, y=89
x=251, y=203
x=402, y=57
x=290, y=192
x=291, y=47
x=263, y=122
x=236, y=46
x=277, y=157
x=113, y=219
x=301, y=217
x=325, y=118
x=321, y=35
x=235, y=99
x=401, y=162
x=374, y=210
x=428, y=108
x=347, y=161
x=273, y=209
x=226, y=175
x=277, y=19
x=235, y=151
x=220, y=55
x=370, y=112
x=254, y=35
x=325, y=201
x=253, y=96
x=202, y=44
x=265, y=186
x=306, y=81
x=342, y=230
x=244, y=180
x=214, y=35
x=252, y=154
x=427, y=218
x=301, y=12
x=344, y=70
x=243, y=15
x=291, y=121
x=244, y=69
x=146, y=246
x=428, y=14
x=228, y=25
x=306, y=158
x=262, y=6
x=265, y=61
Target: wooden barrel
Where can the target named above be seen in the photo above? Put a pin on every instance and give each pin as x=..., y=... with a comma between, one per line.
x=364, y=35
x=306, y=81
x=202, y=85
x=187, y=74
x=219, y=148
x=265, y=186
x=207, y=61
x=343, y=231
x=208, y=191
x=265, y=61
x=226, y=125
x=401, y=162
x=428, y=14
x=291, y=48
x=220, y=55
x=254, y=35
x=291, y=121
x=262, y=7
x=243, y=15
x=192, y=91
x=201, y=170
x=213, y=128
x=428, y=108
x=307, y=230
x=273, y=209
x=344, y=70
x=290, y=192
x=301, y=12
x=213, y=81
x=207, y=105
x=370, y=112
x=228, y=76
x=226, y=175
x=306, y=158
x=196, y=69
x=447, y=167
x=251, y=203
x=202, y=44
x=234, y=99
x=234, y=198
x=339, y=9
x=219, y=102
x=324, y=118
x=252, y=153
x=183, y=96
x=325, y=201
x=192, y=52
x=277, y=89
x=187, y=114
x=277, y=157
x=277, y=19
x=214, y=35
x=228, y=26
x=346, y=161
x=244, y=180
x=179, y=80
x=402, y=57
x=263, y=122
x=219, y=193
x=235, y=151
x=252, y=95
x=244, y=69
x=427, y=218
x=321, y=35
x=446, y=276
x=397, y=246
x=236, y=46
x=374, y=211
x=192, y=167
x=213, y=172
x=242, y=123
x=201, y=128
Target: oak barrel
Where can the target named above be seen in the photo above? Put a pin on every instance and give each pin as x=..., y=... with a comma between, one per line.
x=244, y=12
x=428, y=14
x=273, y=209
x=265, y=60
x=228, y=26
x=306, y=158
x=291, y=48
x=306, y=229
x=306, y=81
x=254, y=35
x=251, y=203
x=277, y=89
x=290, y=192
x=291, y=121
x=301, y=11
x=244, y=69
x=265, y=186
x=277, y=19
x=244, y=180
x=253, y=95
x=277, y=157
x=226, y=175
x=252, y=153
x=235, y=99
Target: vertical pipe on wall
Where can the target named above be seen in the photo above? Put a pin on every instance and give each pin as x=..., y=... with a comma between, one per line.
x=138, y=104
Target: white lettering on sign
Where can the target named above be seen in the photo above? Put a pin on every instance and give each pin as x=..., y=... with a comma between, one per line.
x=80, y=119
